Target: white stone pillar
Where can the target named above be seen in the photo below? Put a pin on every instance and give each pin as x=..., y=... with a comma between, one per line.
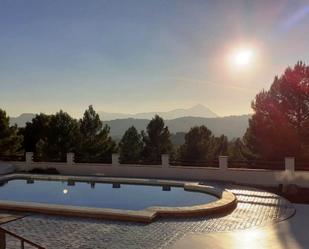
x=29, y=157
x=165, y=160
x=223, y=162
x=115, y=159
x=290, y=165
x=70, y=158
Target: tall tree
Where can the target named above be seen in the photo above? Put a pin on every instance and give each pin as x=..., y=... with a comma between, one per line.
x=218, y=147
x=62, y=137
x=157, y=140
x=238, y=151
x=35, y=131
x=95, y=142
x=279, y=126
x=131, y=146
x=197, y=144
x=10, y=141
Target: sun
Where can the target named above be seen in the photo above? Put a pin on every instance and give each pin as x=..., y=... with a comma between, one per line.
x=241, y=57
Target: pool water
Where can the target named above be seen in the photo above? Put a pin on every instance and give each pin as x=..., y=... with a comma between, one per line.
x=101, y=195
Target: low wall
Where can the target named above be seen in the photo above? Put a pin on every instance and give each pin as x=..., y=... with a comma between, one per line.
x=241, y=176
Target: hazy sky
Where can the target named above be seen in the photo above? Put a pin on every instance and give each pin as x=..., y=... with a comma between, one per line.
x=148, y=55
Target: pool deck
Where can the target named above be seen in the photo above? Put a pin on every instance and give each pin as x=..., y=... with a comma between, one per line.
x=289, y=234
x=6, y=217
x=257, y=210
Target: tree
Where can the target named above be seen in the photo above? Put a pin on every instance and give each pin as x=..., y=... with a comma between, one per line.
x=95, y=143
x=218, y=147
x=157, y=140
x=35, y=131
x=10, y=141
x=197, y=144
x=279, y=126
x=238, y=151
x=62, y=137
x=131, y=146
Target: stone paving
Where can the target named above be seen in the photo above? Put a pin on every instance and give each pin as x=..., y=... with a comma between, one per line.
x=255, y=208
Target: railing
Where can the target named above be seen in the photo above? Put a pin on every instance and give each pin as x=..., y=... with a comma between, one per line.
x=23, y=241
x=193, y=163
x=5, y=157
x=165, y=161
x=38, y=158
x=256, y=164
x=141, y=162
x=301, y=165
x=104, y=160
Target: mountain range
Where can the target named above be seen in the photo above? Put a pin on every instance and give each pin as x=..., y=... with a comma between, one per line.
x=231, y=126
x=195, y=111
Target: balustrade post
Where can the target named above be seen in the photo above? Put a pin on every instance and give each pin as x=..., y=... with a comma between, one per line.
x=289, y=163
x=223, y=162
x=70, y=158
x=115, y=159
x=29, y=157
x=165, y=160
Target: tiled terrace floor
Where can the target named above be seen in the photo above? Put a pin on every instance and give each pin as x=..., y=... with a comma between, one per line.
x=289, y=234
x=255, y=208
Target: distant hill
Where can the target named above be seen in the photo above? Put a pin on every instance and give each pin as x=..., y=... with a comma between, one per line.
x=231, y=126
x=195, y=111
x=22, y=119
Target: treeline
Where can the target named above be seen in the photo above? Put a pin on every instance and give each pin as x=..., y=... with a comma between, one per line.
x=278, y=128
x=50, y=137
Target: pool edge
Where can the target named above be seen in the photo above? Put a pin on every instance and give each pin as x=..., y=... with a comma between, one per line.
x=227, y=201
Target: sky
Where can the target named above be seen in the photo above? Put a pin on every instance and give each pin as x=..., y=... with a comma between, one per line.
x=134, y=56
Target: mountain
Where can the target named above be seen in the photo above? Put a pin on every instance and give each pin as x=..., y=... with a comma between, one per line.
x=231, y=126
x=195, y=111
x=22, y=119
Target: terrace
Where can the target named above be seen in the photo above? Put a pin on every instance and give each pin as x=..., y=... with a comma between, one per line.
x=260, y=214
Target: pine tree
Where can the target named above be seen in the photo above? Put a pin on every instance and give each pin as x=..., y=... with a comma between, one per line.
x=131, y=146
x=10, y=141
x=35, y=131
x=61, y=138
x=157, y=140
x=95, y=142
x=279, y=126
x=197, y=146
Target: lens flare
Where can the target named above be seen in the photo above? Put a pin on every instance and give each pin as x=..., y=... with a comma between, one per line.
x=241, y=58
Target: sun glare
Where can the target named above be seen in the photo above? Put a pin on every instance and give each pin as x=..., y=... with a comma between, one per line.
x=241, y=57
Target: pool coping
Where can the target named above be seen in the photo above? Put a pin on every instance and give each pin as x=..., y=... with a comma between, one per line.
x=226, y=202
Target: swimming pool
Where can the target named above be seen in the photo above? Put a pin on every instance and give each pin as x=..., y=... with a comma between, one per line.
x=101, y=195
x=128, y=199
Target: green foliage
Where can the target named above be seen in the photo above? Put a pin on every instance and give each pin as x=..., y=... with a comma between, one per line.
x=10, y=141
x=35, y=131
x=95, y=144
x=197, y=144
x=52, y=136
x=131, y=146
x=178, y=138
x=201, y=145
x=238, y=151
x=280, y=124
x=157, y=140
x=61, y=137
x=218, y=147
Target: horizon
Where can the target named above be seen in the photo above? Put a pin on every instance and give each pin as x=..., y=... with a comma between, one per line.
x=101, y=112
x=166, y=55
